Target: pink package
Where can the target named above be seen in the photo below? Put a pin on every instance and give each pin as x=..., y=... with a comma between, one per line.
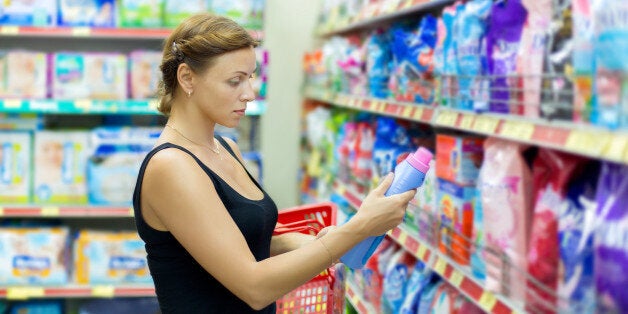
x=531, y=52
x=505, y=183
x=552, y=171
x=144, y=73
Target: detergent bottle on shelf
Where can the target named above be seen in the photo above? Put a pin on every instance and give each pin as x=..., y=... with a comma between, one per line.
x=409, y=174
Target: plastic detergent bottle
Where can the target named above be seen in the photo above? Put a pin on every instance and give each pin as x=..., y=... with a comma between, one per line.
x=409, y=174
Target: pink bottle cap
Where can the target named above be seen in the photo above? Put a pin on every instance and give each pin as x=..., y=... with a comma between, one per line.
x=420, y=160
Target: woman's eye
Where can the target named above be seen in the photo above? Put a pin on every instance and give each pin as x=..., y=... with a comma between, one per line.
x=234, y=82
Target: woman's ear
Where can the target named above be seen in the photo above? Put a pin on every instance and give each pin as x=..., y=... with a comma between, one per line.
x=185, y=76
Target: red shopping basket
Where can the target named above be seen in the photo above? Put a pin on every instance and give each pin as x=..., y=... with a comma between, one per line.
x=316, y=295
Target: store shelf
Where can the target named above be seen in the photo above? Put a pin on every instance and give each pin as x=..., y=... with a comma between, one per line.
x=91, y=106
x=444, y=266
x=94, y=32
x=354, y=296
x=574, y=138
x=96, y=291
x=379, y=12
x=54, y=211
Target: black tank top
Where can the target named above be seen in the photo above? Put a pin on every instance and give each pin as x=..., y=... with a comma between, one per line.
x=183, y=285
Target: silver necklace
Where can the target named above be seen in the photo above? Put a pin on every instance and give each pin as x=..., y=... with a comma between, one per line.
x=215, y=149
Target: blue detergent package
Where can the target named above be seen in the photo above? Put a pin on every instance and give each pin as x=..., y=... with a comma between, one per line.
x=378, y=60
x=470, y=50
x=576, y=285
x=413, y=49
x=610, y=107
x=419, y=279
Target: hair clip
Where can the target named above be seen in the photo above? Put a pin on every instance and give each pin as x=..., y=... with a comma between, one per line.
x=177, y=53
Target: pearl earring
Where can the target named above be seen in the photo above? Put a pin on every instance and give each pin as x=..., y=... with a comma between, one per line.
x=189, y=94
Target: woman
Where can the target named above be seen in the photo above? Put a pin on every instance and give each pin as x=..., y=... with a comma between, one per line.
x=207, y=224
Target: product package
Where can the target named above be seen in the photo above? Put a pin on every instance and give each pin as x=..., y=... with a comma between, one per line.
x=378, y=58
x=396, y=278
x=611, y=236
x=176, y=11
x=37, y=307
x=477, y=260
x=427, y=207
x=470, y=51
x=610, y=106
x=110, y=258
x=576, y=226
x=113, y=165
x=144, y=73
x=89, y=75
x=60, y=161
x=96, y=13
x=118, y=305
x=458, y=158
x=445, y=61
x=140, y=13
x=374, y=271
x=412, y=78
x=248, y=13
x=15, y=167
x=583, y=60
x=557, y=98
x=506, y=194
x=455, y=204
x=506, y=23
x=34, y=256
x=552, y=171
x=421, y=277
x=29, y=13
x=531, y=54
x=23, y=74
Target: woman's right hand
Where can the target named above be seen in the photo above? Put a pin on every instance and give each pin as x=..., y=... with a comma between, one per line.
x=379, y=213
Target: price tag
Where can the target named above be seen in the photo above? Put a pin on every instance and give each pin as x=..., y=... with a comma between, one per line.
x=467, y=121
x=153, y=104
x=81, y=31
x=440, y=266
x=12, y=103
x=23, y=293
x=518, y=130
x=447, y=118
x=588, y=142
x=1, y=211
x=406, y=112
x=390, y=6
x=131, y=212
x=421, y=252
x=617, y=147
x=341, y=189
x=10, y=30
x=83, y=104
x=103, y=291
x=402, y=238
x=418, y=114
x=485, y=124
x=374, y=105
x=50, y=211
x=487, y=301
x=456, y=278
x=405, y=4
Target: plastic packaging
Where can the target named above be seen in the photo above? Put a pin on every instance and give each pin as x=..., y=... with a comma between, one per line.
x=408, y=175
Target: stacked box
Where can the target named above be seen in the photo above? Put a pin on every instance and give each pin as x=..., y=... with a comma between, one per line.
x=110, y=258
x=15, y=167
x=34, y=256
x=60, y=159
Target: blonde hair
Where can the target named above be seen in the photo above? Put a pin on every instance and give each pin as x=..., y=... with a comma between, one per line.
x=197, y=41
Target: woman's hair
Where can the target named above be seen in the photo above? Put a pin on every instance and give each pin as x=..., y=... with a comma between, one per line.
x=197, y=41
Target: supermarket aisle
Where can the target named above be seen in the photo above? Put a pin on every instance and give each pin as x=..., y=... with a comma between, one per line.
x=520, y=102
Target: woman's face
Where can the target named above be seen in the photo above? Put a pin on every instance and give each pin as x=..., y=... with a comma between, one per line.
x=224, y=89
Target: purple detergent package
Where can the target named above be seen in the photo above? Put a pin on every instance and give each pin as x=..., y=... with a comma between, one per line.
x=506, y=24
x=611, y=239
